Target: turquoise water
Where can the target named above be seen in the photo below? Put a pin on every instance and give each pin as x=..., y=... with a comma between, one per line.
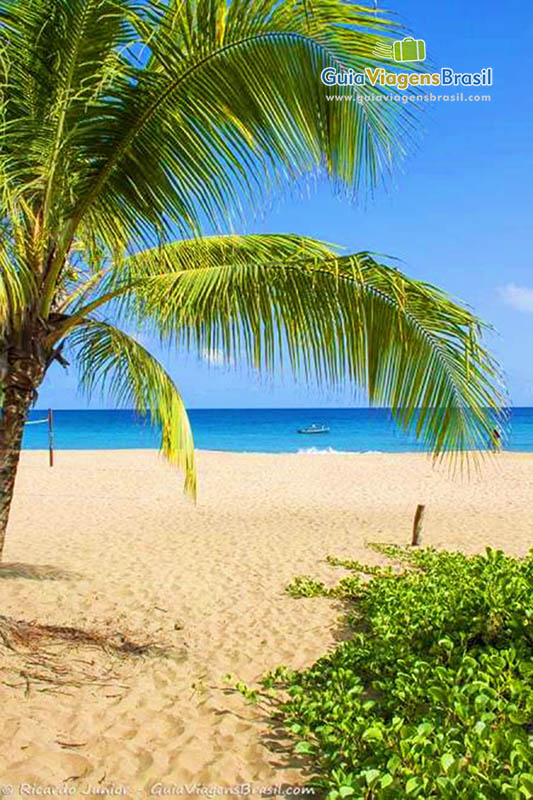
x=272, y=430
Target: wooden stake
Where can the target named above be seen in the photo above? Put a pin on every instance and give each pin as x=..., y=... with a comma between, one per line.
x=50, y=437
x=418, y=525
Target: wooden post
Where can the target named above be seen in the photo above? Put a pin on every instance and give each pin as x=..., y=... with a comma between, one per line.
x=50, y=437
x=418, y=525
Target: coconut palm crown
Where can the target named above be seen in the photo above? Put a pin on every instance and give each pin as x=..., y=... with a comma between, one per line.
x=125, y=124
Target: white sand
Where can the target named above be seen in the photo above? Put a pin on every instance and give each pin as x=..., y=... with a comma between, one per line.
x=207, y=580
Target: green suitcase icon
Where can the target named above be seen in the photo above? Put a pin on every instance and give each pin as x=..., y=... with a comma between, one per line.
x=409, y=49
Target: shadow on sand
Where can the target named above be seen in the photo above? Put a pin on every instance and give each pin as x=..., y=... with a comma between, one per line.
x=274, y=736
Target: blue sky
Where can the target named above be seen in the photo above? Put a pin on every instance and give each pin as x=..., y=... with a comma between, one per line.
x=458, y=215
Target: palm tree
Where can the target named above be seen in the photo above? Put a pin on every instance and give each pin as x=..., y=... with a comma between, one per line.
x=124, y=124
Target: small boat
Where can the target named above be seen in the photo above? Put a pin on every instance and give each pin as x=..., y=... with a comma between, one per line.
x=314, y=429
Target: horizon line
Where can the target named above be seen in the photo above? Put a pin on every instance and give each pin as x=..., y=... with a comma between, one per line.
x=257, y=408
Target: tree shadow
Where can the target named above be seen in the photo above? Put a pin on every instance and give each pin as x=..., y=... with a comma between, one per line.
x=343, y=628
x=35, y=572
x=274, y=737
x=279, y=746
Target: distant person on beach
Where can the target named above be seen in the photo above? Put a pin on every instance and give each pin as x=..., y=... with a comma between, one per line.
x=496, y=440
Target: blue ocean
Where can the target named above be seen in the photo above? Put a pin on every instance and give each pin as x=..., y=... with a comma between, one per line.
x=272, y=430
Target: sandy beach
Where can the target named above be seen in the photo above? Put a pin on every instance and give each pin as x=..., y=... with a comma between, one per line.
x=107, y=542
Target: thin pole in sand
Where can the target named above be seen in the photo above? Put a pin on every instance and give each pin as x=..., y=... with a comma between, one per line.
x=418, y=525
x=50, y=437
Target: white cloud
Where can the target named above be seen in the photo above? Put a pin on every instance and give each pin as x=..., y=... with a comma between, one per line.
x=215, y=358
x=518, y=297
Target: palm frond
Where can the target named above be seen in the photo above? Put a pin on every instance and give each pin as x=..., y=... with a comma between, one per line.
x=121, y=119
x=229, y=102
x=112, y=362
x=18, y=284
x=343, y=320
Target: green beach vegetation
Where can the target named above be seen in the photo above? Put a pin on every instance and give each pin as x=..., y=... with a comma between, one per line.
x=432, y=693
x=125, y=125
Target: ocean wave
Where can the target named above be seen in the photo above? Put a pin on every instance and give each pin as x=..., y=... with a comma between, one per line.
x=326, y=451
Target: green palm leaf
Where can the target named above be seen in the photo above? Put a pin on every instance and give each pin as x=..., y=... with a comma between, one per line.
x=115, y=364
x=338, y=319
x=203, y=102
x=123, y=122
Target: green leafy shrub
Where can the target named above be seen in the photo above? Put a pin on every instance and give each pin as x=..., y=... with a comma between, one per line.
x=432, y=696
x=304, y=586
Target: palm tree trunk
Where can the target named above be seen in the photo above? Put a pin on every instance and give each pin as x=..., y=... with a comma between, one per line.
x=17, y=401
x=24, y=371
